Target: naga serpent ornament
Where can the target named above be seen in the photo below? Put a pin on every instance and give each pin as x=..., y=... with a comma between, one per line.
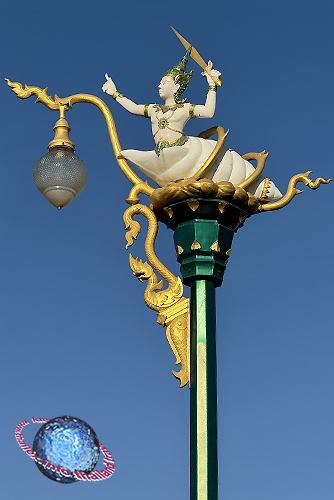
x=173, y=309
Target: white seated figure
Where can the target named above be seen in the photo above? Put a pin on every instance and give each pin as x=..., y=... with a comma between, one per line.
x=177, y=156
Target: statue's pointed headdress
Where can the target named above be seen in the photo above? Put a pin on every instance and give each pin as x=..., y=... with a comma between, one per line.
x=179, y=75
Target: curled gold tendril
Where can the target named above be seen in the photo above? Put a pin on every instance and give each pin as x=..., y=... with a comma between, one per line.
x=217, y=149
x=292, y=191
x=261, y=160
x=41, y=94
x=141, y=187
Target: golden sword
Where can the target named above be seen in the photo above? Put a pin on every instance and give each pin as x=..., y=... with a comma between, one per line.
x=200, y=61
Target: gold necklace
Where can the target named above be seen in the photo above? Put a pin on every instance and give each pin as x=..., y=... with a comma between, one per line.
x=164, y=107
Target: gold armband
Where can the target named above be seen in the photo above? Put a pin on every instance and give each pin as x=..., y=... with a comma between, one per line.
x=146, y=106
x=117, y=94
x=191, y=111
x=212, y=87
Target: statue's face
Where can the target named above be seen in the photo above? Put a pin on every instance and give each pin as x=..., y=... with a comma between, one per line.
x=167, y=87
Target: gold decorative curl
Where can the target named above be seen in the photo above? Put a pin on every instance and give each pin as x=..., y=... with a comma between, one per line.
x=173, y=309
x=217, y=149
x=41, y=94
x=292, y=191
x=261, y=160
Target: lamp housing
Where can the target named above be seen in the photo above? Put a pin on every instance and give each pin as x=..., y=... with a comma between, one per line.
x=60, y=175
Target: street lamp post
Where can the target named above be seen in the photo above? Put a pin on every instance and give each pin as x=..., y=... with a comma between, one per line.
x=203, y=233
x=204, y=216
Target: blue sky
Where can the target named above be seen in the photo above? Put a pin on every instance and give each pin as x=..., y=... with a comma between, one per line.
x=76, y=336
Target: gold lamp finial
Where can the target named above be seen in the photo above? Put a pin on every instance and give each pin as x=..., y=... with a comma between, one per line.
x=61, y=130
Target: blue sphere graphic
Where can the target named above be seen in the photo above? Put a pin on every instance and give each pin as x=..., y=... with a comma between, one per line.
x=67, y=442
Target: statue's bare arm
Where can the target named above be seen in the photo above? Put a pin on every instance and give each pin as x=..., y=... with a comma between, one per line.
x=110, y=88
x=208, y=109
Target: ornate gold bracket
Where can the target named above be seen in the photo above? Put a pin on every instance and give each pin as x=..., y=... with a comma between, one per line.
x=173, y=309
x=292, y=191
x=63, y=104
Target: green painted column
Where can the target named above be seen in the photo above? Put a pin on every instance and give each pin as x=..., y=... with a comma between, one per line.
x=203, y=234
x=203, y=393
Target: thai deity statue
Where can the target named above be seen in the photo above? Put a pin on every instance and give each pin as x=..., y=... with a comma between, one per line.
x=179, y=156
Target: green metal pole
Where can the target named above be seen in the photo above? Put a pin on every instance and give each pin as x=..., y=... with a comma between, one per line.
x=203, y=234
x=203, y=393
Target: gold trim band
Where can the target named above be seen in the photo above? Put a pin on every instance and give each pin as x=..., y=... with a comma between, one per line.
x=117, y=94
x=191, y=111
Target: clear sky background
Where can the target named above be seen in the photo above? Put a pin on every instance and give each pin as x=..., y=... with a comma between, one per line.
x=77, y=337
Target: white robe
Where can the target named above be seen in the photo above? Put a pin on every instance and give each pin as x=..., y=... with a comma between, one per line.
x=180, y=162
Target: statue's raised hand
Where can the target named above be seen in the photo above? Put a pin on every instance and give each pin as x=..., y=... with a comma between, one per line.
x=109, y=87
x=212, y=75
x=215, y=74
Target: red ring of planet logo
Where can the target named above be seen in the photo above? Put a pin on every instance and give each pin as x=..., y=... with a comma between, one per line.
x=108, y=461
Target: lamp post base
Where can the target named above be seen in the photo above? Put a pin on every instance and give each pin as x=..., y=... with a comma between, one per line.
x=203, y=233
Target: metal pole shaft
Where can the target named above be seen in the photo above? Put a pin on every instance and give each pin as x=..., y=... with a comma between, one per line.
x=203, y=233
x=203, y=393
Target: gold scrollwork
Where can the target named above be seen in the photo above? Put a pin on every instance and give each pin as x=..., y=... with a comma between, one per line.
x=217, y=149
x=41, y=94
x=67, y=102
x=261, y=160
x=172, y=307
x=177, y=321
x=141, y=187
x=292, y=191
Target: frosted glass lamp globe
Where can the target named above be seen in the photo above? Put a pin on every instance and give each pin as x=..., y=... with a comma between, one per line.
x=60, y=175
